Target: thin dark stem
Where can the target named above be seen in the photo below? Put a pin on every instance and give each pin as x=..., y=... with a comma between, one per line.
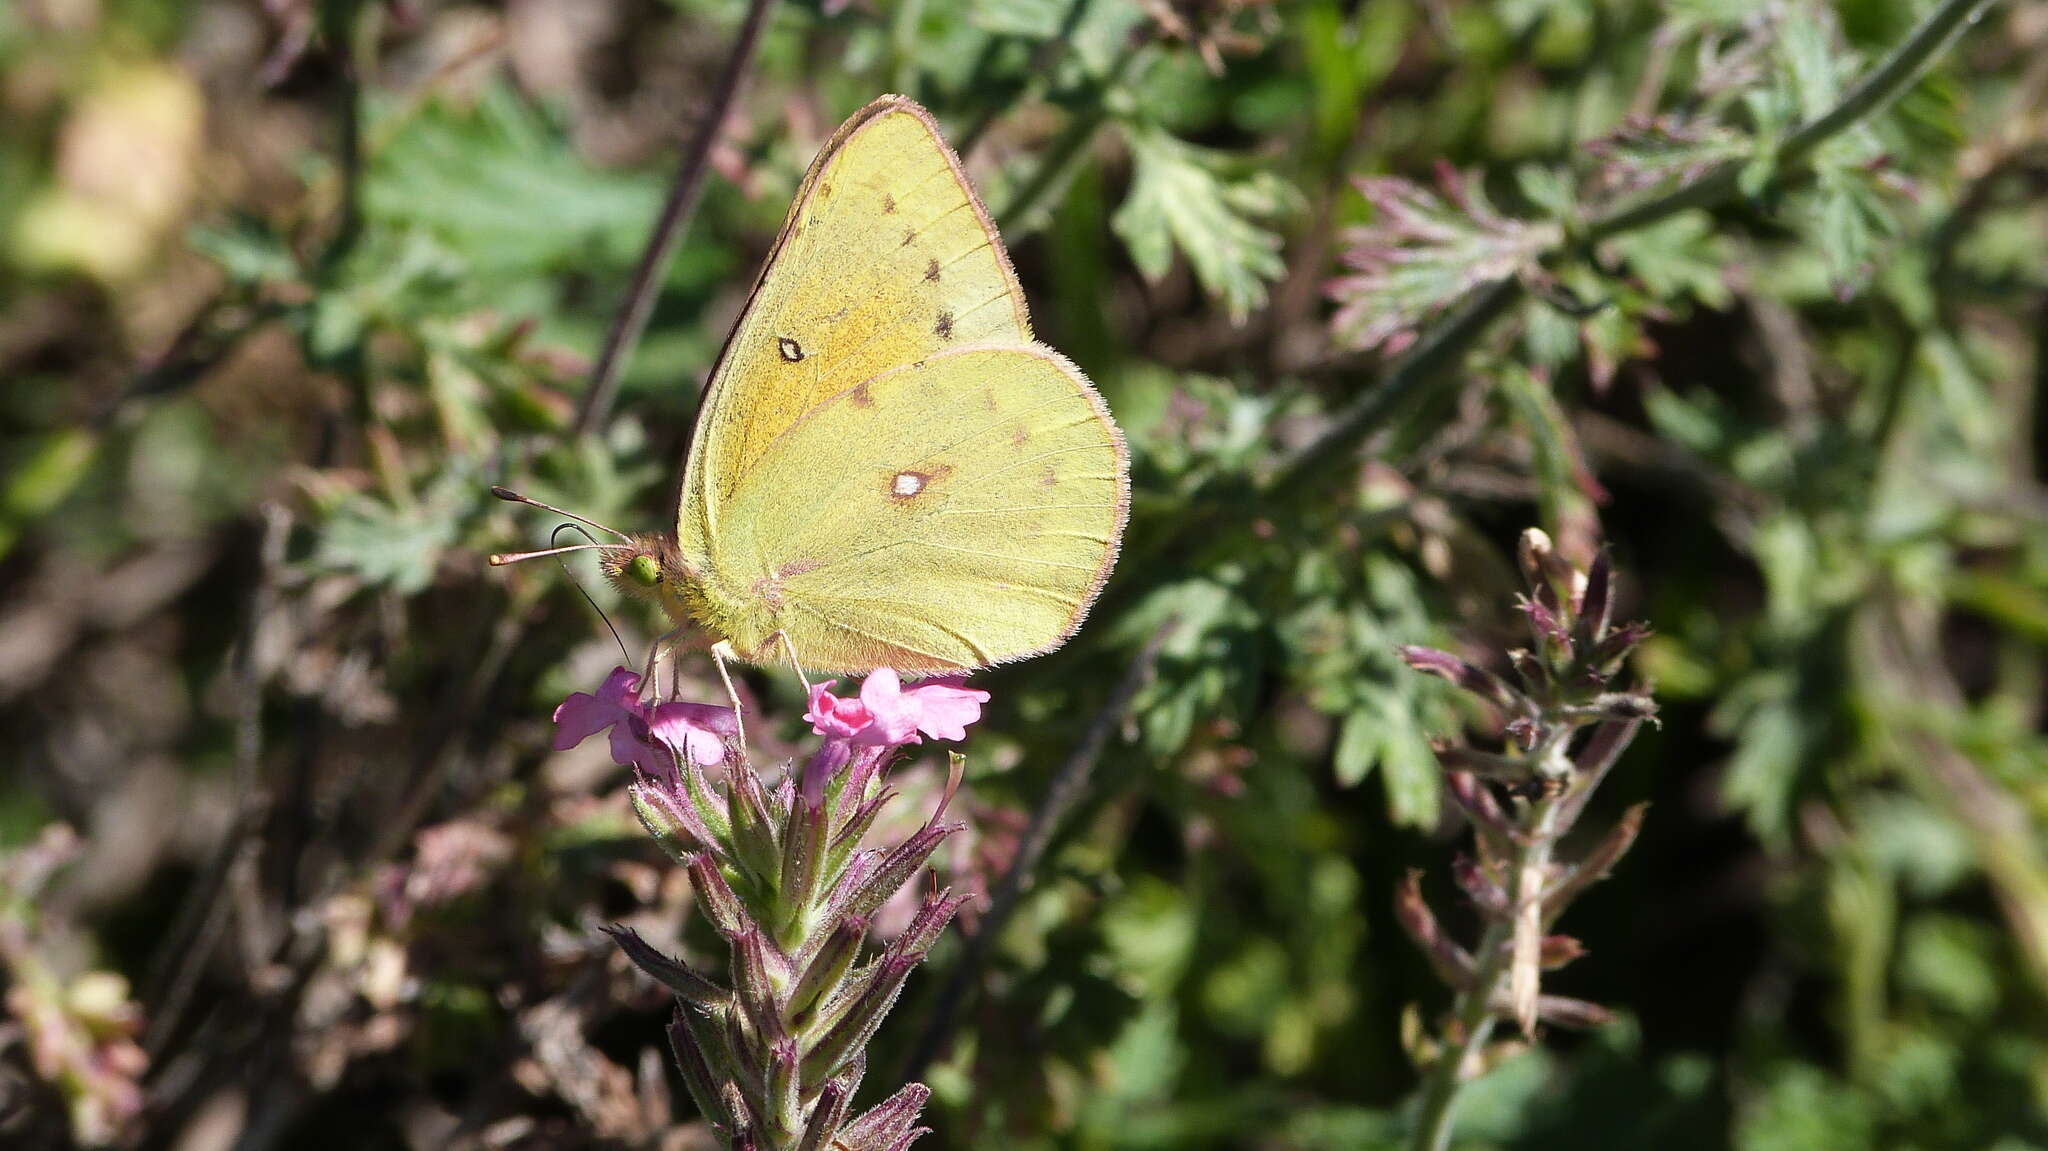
x=339, y=26
x=1060, y=155
x=1044, y=59
x=1069, y=784
x=683, y=194
x=201, y=921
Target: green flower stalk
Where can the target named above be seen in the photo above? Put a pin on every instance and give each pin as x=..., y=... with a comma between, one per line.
x=1566, y=724
x=774, y=1056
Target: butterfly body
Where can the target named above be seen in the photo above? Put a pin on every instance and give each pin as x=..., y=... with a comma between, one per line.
x=888, y=470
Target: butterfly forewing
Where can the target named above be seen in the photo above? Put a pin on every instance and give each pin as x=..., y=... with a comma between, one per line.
x=886, y=257
x=886, y=468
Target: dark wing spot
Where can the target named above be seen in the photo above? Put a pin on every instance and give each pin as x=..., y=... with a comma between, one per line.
x=1048, y=480
x=888, y=204
x=790, y=349
x=824, y=190
x=909, y=236
x=944, y=328
x=861, y=397
x=931, y=272
x=1019, y=438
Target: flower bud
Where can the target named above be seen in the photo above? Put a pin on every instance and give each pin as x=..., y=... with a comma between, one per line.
x=1559, y=950
x=1479, y=804
x=1479, y=887
x=863, y=1014
x=1597, y=862
x=671, y=973
x=1465, y=676
x=803, y=862
x=827, y=1115
x=899, y=865
x=1454, y=757
x=886, y=1122
x=754, y=829
x=672, y=823
x=822, y=975
x=686, y=1036
x=716, y=896
x=1452, y=963
x=1595, y=605
x=785, y=1107
x=756, y=987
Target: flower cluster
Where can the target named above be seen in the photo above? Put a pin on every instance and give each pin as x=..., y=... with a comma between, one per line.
x=774, y=1059
x=79, y=1029
x=1566, y=723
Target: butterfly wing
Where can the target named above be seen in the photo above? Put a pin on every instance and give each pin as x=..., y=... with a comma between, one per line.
x=886, y=257
x=953, y=513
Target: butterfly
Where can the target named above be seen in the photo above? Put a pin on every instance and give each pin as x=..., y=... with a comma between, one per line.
x=887, y=469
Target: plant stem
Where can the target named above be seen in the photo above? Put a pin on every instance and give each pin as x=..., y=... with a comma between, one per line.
x=683, y=195
x=1043, y=61
x=1061, y=154
x=1878, y=88
x=1443, y=349
x=1475, y=1009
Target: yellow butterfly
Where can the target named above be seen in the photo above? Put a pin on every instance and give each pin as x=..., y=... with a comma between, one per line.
x=887, y=469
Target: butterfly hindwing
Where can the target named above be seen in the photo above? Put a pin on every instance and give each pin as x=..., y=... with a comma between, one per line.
x=954, y=513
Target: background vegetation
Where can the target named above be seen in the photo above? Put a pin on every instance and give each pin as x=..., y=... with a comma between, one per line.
x=284, y=286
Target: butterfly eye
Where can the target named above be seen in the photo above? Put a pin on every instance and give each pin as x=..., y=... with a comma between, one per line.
x=644, y=571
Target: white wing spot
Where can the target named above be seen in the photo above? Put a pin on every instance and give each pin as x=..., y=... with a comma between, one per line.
x=907, y=484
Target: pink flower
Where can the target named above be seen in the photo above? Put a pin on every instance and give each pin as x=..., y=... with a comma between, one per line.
x=889, y=714
x=696, y=730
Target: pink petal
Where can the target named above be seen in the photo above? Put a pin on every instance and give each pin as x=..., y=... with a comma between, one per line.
x=621, y=689
x=698, y=730
x=895, y=714
x=581, y=716
x=832, y=716
x=944, y=708
x=630, y=748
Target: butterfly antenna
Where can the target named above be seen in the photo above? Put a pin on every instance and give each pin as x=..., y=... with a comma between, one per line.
x=500, y=559
x=556, y=534
x=510, y=496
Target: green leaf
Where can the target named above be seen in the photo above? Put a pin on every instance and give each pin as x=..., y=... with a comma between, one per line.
x=247, y=249
x=1358, y=747
x=506, y=190
x=1210, y=206
x=397, y=545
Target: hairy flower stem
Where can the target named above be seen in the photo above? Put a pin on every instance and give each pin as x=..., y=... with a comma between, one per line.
x=1566, y=721
x=1475, y=1009
x=774, y=1057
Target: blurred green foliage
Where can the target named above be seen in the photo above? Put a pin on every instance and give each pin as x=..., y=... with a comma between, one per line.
x=249, y=649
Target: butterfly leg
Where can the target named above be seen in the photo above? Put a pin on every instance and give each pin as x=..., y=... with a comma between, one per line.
x=720, y=652
x=662, y=652
x=789, y=649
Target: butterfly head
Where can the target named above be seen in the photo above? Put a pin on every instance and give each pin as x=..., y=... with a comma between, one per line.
x=649, y=566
